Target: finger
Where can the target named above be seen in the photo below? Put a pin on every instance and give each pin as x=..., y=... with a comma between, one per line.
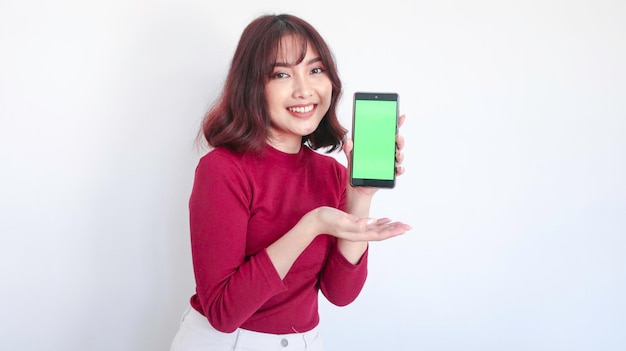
x=383, y=234
x=347, y=147
x=399, y=160
x=400, y=142
x=390, y=230
x=347, y=150
x=378, y=232
x=364, y=223
x=401, y=120
x=399, y=157
x=382, y=221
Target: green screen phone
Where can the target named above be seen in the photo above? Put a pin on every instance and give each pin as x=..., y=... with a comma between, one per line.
x=374, y=128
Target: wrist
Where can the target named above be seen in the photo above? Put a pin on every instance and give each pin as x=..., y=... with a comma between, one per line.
x=359, y=205
x=352, y=251
x=310, y=223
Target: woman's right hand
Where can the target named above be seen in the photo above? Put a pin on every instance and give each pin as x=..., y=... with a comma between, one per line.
x=328, y=220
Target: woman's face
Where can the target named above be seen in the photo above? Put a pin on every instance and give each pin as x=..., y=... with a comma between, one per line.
x=298, y=95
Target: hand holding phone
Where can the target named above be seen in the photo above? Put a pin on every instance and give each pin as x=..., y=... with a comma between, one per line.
x=374, y=129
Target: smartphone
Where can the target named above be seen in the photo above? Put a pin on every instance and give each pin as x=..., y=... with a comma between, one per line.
x=374, y=129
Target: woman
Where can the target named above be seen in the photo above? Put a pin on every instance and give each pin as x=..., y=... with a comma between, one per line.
x=272, y=221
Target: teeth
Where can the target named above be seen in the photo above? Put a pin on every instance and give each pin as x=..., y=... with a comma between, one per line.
x=301, y=109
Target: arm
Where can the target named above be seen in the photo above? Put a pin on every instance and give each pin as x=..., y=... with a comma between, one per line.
x=219, y=214
x=353, y=251
x=219, y=217
x=359, y=200
x=346, y=269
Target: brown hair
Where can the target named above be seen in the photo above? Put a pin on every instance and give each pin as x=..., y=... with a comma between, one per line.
x=239, y=119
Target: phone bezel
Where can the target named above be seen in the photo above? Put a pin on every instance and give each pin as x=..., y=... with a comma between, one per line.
x=381, y=96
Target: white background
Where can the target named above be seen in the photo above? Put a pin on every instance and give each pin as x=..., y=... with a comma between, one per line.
x=515, y=183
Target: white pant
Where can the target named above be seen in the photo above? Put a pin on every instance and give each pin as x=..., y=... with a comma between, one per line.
x=197, y=334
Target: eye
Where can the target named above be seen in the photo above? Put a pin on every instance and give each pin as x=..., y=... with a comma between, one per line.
x=318, y=70
x=279, y=75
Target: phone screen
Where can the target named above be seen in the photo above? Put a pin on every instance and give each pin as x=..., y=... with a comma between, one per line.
x=374, y=135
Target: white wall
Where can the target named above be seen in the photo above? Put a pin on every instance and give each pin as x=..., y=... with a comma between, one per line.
x=515, y=183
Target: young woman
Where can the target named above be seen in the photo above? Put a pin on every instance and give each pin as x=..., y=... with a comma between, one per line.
x=272, y=221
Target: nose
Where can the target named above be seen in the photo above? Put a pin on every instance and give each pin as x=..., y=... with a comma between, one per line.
x=302, y=87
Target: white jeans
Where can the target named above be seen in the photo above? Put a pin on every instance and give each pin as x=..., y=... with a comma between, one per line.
x=197, y=334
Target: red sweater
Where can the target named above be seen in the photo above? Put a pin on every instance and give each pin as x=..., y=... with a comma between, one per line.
x=239, y=205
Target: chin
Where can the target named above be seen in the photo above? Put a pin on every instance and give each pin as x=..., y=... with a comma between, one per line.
x=308, y=131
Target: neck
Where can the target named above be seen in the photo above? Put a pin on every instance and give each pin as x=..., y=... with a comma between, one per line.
x=289, y=146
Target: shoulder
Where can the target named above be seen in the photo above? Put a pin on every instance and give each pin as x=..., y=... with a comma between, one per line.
x=320, y=157
x=219, y=162
x=326, y=162
x=220, y=154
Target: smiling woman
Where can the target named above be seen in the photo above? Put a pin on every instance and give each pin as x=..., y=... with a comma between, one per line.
x=266, y=235
x=239, y=119
x=298, y=95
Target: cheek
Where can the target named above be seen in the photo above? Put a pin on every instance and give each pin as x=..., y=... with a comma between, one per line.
x=272, y=98
x=326, y=90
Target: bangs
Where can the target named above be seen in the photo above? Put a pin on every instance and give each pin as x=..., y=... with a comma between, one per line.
x=291, y=48
x=239, y=120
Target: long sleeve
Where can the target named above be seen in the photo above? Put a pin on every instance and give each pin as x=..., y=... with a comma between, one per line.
x=341, y=281
x=225, y=277
x=240, y=205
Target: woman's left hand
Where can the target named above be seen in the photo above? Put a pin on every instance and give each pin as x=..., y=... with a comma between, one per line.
x=369, y=191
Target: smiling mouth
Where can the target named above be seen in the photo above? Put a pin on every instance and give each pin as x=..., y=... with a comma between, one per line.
x=302, y=109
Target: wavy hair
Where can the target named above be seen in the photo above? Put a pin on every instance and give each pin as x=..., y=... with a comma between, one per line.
x=239, y=118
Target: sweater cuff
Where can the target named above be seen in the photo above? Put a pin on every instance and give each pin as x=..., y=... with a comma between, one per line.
x=348, y=266
x=269, y=271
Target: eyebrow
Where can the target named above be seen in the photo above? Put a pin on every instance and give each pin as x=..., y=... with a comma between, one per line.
x=284, y=64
